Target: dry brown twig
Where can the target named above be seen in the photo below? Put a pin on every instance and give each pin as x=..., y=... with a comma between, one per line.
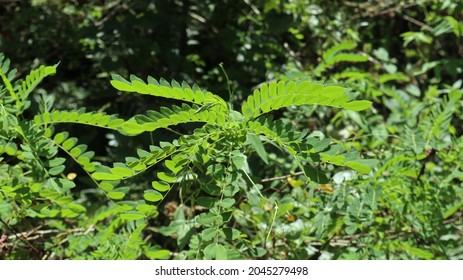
x=36, y=234
x=19, y=236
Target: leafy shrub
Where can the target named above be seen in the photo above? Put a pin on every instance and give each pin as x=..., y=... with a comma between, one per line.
x=209, y=167
x=404, y=56
x=410, y=207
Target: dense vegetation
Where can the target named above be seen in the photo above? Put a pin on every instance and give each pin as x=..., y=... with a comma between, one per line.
x=227, y=129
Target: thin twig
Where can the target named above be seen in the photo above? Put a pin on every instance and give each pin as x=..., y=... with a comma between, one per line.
x=19, y=235
x=112, y=13
x=40, y=233
x=417, y=22
x=373, y=10
x=253, y=8
x=282, y=177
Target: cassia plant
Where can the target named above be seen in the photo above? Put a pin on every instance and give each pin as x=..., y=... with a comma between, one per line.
x=212, y=160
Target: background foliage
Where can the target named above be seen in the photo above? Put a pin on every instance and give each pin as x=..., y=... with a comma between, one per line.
x=404, y=56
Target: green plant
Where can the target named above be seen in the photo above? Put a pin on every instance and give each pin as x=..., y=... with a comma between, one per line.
x=211, y=164
x=38, y=209
x=408, y=208
x=209, y=167
x=29, y=162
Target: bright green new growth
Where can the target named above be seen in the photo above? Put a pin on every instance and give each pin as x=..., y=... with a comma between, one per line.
x=231, y=125
x=21, y=90
x=223, y=124
x=33, y=148
x=335, y=55
x=162, y=88
x=274, y=96
x=213, y=159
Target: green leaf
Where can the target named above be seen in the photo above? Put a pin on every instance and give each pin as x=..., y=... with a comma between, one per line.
x=227, y=203
x=132, y=215
x=34, y=78
x=115, y=123
x=332, y=51
x=206, y=218
x=56, y=161
x=452, y=210
x=230, y=233
x=157, y=254
x=258, y=146
x=160, y=186
x=275, y=96
x=56, y=170
x=211, y=189
x=131, y=127
x=68, y=144
x=357, y=105
x=315, y=175
x=122, y=172
x=78, y=150
x=165, y=89
x=89, y=155
x=89, y=167
x=239, y=161
x=384, y=78
x=345, y=57
x=173, y=166
x=207, y=202
x=152, y=195
x=64, y=184
x=226, y=216
x=150, y=211
x=106, y=176
x=107, y=187
x=116, y=195
x=334, y=159
x=121, y=86
x=209, y=233
x=221, y=252
x=362, y=165
x=216, y=170
x=166, y=178
x=420, y=253
x=215, y=251
x=68, y=213
x=11, y=149
x=209, y=252
x=77, y=208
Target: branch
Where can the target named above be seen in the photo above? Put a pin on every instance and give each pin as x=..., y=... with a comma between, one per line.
x=40, y=233
x=417, y=22
x=19, y=236
x=282, y=177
